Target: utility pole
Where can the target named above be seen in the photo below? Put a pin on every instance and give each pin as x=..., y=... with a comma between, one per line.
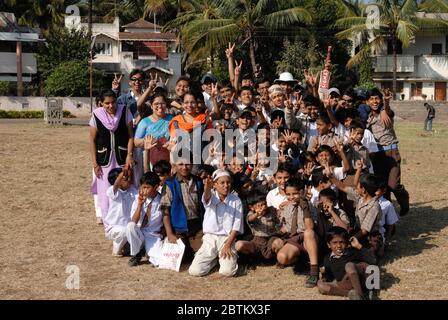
x=91, y=55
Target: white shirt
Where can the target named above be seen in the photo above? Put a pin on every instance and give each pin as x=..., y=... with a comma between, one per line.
x=208, y=101
x=223, y=217
x=314, y=196
x=369, y=142
x=312, y=132
x=120, y=204
x=389, y=215
x=155, y=223
x=275, y=199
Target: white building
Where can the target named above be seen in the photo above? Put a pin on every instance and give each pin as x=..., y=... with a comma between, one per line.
x=17, y=52
x=140, y=45
x=422, y=68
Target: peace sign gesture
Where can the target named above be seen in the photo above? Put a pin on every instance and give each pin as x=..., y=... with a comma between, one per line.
x=229, y=51
x=153, y=81
x=311, y=79
x=214, y=92
x=238, y=67
x=116, y=82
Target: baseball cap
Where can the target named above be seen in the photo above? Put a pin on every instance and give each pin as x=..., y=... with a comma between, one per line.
x=210, y=77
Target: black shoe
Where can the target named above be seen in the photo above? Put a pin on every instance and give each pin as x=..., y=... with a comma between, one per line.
x=133, y=262
x=311, y=281
x=404, y=210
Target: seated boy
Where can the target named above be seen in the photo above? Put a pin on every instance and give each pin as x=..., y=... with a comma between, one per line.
x=329, y=213
x=345, y=267
x=368, y=210
x=121, y=196
x=264, y=224
x=298, y=228
x=223, y=220
x=145, y=227
x=277, y=196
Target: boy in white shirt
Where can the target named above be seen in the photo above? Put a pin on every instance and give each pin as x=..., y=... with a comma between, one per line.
x=146, y=222
x=276, y=197
x=389, y=216
x=223, y=221
x=121, y=196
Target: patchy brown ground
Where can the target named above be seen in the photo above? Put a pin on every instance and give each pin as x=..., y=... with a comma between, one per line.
x=48, y=223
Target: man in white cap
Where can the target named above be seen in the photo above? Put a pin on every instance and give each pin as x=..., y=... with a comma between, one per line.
x=287, y=82
x=223, y=221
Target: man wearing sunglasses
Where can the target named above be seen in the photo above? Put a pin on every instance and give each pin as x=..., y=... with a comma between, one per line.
x=135, y=99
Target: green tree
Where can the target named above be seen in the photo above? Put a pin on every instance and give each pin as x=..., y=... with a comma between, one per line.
x=71, y=78
x=245, y=21
x=398, y=22
x=365, y=74
x=62, y=45
x=293, y=58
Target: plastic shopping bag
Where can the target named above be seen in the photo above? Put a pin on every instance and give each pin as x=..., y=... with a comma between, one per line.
x=172, y=254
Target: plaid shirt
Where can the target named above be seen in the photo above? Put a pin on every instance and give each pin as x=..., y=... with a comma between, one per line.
x=189, y=195
x=368, y=215
x=264, y=226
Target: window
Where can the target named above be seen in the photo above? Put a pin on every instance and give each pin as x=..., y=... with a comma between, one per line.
x=416, y=89
x=436, y=48
x=103, y=48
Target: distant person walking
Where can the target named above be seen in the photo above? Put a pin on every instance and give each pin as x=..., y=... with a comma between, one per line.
x=431, y=115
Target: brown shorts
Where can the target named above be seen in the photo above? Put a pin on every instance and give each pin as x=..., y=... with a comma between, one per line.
x=296, y=241
x=345, y=283
x=263, y=246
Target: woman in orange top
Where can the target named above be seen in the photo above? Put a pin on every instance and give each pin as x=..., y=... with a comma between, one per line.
x=190, y=119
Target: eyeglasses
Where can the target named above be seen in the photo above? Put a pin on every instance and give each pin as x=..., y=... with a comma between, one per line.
x=137, y=79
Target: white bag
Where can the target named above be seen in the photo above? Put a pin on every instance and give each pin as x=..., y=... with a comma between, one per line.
x=172, y=254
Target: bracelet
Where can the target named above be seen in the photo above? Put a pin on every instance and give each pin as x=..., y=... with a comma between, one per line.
x=130, y=154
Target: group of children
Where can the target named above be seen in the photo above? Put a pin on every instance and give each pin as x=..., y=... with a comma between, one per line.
x=325, y=207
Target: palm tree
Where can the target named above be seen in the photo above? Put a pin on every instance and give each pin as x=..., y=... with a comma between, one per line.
x=398, y=23
x=435, y=6
x=245, y=21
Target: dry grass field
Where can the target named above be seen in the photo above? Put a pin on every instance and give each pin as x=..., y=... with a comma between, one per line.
x=48, y=223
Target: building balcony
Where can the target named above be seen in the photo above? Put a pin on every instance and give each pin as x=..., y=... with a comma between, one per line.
x=405, y=63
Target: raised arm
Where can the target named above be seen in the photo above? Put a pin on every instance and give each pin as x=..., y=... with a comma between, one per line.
x=230, y=63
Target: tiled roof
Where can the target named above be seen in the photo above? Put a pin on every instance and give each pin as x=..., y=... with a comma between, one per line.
x=141, y=24
x=146, y=36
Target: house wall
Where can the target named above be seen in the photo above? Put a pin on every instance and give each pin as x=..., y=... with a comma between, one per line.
x=8, y=63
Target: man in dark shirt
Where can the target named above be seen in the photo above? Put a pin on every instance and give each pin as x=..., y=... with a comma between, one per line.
x=431, y=115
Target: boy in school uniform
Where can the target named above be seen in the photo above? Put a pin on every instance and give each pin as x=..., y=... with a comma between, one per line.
x=223, y=221
x=345, y=267
x=387, y=161
x=182, y=208
x=146, y=225
x=264, y=224
x=356, y=150
x=368, y=210
x=276, y=197
x=298, y=229
x=121, y=196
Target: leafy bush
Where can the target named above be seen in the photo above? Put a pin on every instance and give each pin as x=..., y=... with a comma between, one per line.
x=31, y=114
x=4, y=88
